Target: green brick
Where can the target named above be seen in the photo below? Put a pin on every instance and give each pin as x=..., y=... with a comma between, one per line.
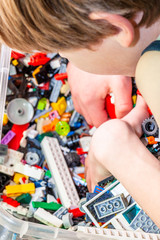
x=48, y=206
x=24, y=198
x=48, y=134
x=48, y=174
x=42, y=104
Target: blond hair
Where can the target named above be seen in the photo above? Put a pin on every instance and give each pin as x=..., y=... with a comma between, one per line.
x=53, y=25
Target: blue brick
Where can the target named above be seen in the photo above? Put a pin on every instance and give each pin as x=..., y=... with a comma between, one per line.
x=143, y=221
x=110, y=206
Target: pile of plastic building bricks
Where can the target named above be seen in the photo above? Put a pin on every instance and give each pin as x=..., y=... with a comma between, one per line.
x=43, y=149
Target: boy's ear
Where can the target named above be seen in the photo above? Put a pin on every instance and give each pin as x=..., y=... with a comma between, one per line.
x=125, y=30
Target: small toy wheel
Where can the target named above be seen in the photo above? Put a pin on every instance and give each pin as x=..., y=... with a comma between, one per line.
x=150, y=127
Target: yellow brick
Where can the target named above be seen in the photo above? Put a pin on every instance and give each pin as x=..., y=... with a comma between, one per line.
x=15, y=62
x=17, y=177
x=37, y=70
x=43, y=116
x=134, y=99
x=60, y=105
x=17, y=190
x=5, y=119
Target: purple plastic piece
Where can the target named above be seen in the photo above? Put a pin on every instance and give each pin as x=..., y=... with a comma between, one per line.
x=8, y=137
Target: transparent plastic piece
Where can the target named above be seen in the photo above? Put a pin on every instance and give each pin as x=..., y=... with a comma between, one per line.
x=4, y=72
x=6, y=234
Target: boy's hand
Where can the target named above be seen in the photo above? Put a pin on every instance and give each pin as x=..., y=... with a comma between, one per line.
x=95, y=168
x=138, y=114
x=89, y=92
x=94, y=171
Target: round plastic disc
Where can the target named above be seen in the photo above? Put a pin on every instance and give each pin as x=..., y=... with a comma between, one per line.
x=20, y=111
x=62, y=128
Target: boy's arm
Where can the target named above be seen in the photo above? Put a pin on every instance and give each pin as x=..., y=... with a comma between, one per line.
x=132, y=164
x=148, y=81
x=89, y=93
x=117, y=149
x=134, y=118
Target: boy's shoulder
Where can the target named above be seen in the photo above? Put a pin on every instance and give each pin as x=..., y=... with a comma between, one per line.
x=154, y=46
x=148, y=66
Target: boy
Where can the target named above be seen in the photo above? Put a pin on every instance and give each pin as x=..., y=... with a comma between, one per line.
x=101, y=37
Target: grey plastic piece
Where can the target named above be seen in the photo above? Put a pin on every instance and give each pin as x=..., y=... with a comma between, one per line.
x=80, y=204
x=74, y=118
x=3, y=153
x=143, y=221
x=67, y=220
x=55, y=91
x=89, y=205
x=41, y=113
x=110, y=206
x=20, y=111
x=61, y=212
x=150, y=127
x=32, y=158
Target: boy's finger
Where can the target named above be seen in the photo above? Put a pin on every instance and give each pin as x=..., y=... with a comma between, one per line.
x=88, y=178
x=123, y=99
x=82, y=112
x=99, y=117
x=140, y=101
x=88, y=119
x=97, y=113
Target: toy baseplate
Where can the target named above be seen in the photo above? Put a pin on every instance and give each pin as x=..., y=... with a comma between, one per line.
x=117, y=234
x=60, y=172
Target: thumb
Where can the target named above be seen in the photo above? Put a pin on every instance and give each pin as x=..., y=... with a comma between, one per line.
x=138, y=114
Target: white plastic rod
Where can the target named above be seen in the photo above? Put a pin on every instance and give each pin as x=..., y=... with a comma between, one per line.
x=4, y=72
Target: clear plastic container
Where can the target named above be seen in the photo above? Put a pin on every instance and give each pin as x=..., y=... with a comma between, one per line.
x=4, y=72
x=12, y=228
